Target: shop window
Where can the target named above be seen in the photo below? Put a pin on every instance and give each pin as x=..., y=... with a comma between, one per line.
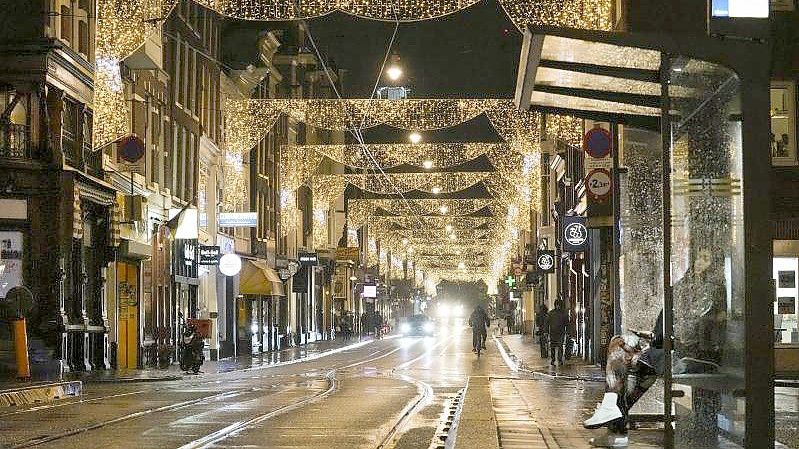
x=786, y=271
x=783, y=123
x=83, y=38
x=66, y=23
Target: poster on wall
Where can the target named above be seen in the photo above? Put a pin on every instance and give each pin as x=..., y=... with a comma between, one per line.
x=10, y=261
x=786, y=279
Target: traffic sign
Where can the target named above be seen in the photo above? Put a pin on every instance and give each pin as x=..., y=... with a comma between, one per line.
x=599, y=183
x=130, y=149
x=598, y=143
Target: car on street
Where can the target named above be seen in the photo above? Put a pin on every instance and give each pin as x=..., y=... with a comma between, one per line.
x=417, y=325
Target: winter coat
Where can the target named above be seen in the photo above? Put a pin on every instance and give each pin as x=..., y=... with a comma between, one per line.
x=556, y=324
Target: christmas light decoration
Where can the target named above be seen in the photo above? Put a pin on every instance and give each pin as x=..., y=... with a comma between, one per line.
x=586, y=14
x=424, y=155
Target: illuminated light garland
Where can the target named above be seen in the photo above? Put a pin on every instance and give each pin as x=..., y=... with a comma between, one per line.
x=359, y=210
x=122, y=27
x=429, y=222
x=446, y=182
x=234, y=194
x=289, y=212
x=297, y=166
x=386, y=10
x=247, y=122
x=566, y=128
x=585, y=14
x=520, y=129
x=325, y=190
x=440, y=155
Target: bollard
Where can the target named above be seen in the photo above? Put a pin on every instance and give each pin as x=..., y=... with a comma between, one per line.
x=21, y=349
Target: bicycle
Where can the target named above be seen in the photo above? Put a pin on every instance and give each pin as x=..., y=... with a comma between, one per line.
x=477, y=341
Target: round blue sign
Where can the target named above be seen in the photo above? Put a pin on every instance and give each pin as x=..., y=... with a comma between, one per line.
x=131, y=149
x=598, y=143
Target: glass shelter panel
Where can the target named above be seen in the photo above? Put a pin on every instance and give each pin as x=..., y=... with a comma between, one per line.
x=707, y=256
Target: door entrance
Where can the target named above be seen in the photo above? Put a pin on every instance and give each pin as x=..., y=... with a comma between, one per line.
x=128, y=335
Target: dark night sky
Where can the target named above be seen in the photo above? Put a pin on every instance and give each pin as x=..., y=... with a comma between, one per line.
x=471, y=54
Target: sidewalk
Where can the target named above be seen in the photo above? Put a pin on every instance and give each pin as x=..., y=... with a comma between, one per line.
x=294, y=354
x=14, y=393
x=524, y=352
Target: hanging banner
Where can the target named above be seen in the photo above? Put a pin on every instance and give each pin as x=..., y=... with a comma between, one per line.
x=575, y=235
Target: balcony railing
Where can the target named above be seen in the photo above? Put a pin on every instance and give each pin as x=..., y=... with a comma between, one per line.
x=82, y=157
x=14, y=141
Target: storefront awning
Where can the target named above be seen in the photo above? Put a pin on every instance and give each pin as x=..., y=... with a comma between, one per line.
x=257, y=278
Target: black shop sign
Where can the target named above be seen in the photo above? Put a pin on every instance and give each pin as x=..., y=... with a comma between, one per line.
x=574, y=236
x=209, y=255
x=545, y=261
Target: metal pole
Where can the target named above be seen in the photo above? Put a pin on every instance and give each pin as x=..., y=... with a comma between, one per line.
x=668, y=301
x=616, y=232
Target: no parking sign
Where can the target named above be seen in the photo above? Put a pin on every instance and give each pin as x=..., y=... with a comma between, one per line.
x=599, y=183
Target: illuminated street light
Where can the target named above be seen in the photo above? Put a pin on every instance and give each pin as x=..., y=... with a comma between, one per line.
x=414, y=137
x=448, y=228
x=444, y=209
x=436, y=190
x=394, y=73
x=427, y=164
x=461, y=265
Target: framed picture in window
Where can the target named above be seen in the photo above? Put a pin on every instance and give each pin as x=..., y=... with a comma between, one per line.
x=786, y=279
x=786, y=305
x=783, y=123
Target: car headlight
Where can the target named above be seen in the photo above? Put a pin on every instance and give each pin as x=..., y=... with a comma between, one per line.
x=428, y=327
x=405, y=328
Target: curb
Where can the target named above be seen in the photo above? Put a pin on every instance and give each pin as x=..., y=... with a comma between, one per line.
x=515, y=364
x=43, y=393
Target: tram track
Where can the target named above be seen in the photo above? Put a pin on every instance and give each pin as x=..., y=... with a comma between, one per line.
x=218, y=435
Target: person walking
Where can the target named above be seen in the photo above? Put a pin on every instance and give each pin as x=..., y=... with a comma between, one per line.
x=556, y=325
x=479, y=321
x=540, y=330
x=510, y=321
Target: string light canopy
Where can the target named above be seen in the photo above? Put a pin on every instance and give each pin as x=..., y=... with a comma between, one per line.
x=519, y=128
x=429, y=156
x=124, y=25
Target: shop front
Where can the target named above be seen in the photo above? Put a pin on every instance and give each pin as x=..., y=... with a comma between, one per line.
x=260, y=294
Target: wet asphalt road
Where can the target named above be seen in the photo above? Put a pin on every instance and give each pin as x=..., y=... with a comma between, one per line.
x=389, y=393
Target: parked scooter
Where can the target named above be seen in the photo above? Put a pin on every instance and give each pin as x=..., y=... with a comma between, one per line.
x=191, y=349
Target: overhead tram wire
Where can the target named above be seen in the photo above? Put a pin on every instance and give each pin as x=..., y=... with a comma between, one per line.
x=358, y=133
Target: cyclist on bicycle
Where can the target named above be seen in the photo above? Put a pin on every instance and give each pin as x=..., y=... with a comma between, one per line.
x=479, y=321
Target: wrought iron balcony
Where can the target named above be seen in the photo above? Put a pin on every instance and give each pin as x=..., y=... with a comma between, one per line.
x=14, y=141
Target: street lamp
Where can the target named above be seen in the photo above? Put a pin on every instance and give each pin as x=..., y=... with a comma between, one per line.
x=414, y=137
x=428, y=164
x=394, y=73
x=436, y=190
x=444, y=209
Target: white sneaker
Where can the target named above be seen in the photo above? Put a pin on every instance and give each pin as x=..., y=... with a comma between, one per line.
x=610, y=440
x=606, y=412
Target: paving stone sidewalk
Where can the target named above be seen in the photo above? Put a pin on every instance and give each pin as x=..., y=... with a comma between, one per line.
x=525, y=352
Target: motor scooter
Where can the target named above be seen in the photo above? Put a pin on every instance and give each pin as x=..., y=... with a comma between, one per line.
x=191, y=349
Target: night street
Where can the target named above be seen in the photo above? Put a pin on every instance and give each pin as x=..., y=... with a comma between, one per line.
x=399, y=224
x=394, y=393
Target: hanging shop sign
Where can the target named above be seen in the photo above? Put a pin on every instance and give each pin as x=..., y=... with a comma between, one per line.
x=308, y=259
x=370, y=291
x=349, y=254
x=599, y=183
x=209, y=255
x=575, y=235
x=598, y=143
x=546, y=261
x=238, y=220
x=299, y=283
x=230, y=264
